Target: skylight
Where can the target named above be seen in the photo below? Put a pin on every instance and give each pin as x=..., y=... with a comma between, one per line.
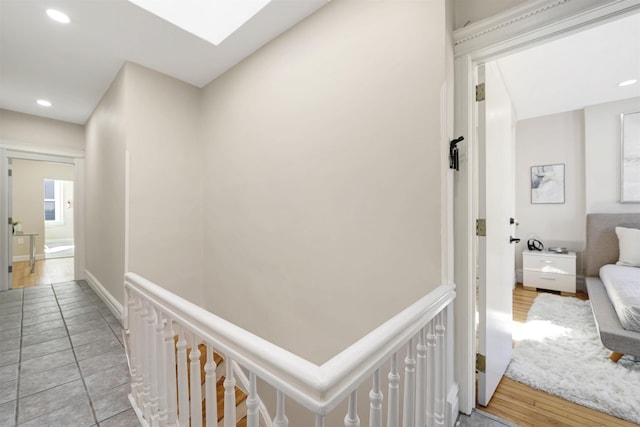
x=211, y=20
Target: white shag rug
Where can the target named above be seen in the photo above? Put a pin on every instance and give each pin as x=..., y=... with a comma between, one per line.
x=558, y=350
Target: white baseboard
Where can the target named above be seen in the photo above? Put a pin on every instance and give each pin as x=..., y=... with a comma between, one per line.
x=452, y=405
x=114, y=305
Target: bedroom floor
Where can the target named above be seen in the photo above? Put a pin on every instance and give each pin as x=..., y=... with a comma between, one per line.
x=526, y=406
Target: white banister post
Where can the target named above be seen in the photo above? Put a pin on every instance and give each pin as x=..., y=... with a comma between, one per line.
x=161, y=368
x=393, y=406
x=375, y=396
x=421, y=383
x=441, y=367
x=183, y=385
x=170, y=373
x=229, y=396
x=252, y=402
x=408, y=407
x=196, y=386
x=431, y=372
x=210, y=388
x=319, y=420
x=352, y=419
x=281, y=419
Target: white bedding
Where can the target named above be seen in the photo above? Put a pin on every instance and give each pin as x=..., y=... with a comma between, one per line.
x=623, y=287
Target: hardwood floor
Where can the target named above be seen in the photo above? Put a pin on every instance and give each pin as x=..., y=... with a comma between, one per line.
x=526, y=406
x=46, y=271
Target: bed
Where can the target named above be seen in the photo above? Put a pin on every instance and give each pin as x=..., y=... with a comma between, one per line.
x=602, y=249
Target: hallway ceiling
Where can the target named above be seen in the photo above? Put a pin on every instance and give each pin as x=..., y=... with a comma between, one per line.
x=73, y=65
x=576, y=71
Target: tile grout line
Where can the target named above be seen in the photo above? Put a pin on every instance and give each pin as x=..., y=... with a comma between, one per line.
x=75, y=358
x=15, y=420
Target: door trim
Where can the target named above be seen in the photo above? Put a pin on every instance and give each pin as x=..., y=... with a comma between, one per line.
x=15, y=150
x=508, y=32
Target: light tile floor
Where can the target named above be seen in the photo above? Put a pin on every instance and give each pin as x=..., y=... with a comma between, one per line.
x=62, y=362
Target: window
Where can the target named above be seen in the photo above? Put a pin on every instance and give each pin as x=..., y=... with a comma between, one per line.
x=52, y=202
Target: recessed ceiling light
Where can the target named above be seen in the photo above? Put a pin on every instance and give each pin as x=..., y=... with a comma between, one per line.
x=627, y=82
x=58, y=16
x=44, y=103
x=212, y=21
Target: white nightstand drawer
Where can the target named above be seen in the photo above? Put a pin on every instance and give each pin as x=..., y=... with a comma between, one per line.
x=549, y=263
x=554, y=282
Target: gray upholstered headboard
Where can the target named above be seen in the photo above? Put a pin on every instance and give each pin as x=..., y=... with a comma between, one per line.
x=602, y=242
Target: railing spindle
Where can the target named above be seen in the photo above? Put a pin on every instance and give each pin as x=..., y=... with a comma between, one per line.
x=211, y=405
x=146, y=375
x=408, y=407
x=161, y=368
x=431, y=372
x=229, y=396
x=440, y=367
x=281, y=419
x=352, y=419
x=196, y=386
x=375, y=396
x=169, y=373
x=421, y=380
x=183, y=384
x=393, y=407
x=252, y=402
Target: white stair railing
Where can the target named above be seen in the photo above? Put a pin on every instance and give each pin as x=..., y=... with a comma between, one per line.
x=163, y=394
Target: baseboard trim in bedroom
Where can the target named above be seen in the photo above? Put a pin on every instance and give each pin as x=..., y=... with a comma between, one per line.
x=113, y=304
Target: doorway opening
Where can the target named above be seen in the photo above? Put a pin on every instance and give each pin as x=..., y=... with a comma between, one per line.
x=42, y=211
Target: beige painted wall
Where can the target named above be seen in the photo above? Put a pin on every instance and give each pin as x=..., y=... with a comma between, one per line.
x=323, y=176
x=105, y=189
x=28, y=196
x=29, y=131
x=165, y=185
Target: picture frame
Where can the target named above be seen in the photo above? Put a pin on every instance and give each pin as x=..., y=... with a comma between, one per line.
x=547, y=184
x=630, y=158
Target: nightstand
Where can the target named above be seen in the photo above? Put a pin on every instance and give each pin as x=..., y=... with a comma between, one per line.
x=549, y=270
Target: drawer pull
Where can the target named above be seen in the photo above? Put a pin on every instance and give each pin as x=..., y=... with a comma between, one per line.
x=546, y=261
x=548, y=278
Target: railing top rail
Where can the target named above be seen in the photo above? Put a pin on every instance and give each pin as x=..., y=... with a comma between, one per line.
x=319, y=388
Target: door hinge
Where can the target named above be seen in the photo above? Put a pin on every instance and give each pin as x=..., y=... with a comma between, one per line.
x=9, y=172
x=481, y=363
x=10, y=221
x=10, y=269
x=481, y=227
x=480, y=92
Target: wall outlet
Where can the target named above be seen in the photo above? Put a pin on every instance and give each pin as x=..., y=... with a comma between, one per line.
x=20, y=240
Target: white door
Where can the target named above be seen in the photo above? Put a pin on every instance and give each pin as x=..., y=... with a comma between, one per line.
x=10, y=231
x=496, y=254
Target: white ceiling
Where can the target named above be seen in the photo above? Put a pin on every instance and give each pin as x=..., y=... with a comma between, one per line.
x=575, y=71
x=72, y=65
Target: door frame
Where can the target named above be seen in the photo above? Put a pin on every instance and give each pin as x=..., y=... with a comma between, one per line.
x=516, y=29
x=17, y=150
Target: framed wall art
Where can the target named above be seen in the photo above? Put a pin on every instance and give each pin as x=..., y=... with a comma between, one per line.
x=630, y=158
x=547, y=184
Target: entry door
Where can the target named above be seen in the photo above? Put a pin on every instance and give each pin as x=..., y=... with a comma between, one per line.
x=496, y=255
